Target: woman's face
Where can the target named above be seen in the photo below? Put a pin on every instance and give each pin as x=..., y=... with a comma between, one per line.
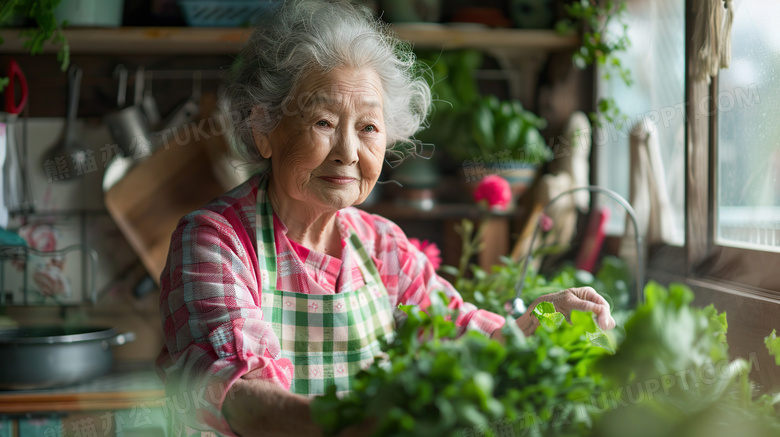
x=329, y=147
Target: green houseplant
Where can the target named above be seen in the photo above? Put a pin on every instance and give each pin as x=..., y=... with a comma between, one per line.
x=46, y=28
x=475, y=128
x=602, y=43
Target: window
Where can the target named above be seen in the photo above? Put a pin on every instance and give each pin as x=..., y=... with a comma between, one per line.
x=656, y=59
x=719, y=142
x=747, y=206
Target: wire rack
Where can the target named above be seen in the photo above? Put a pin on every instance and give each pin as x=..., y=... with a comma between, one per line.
x=26, y=276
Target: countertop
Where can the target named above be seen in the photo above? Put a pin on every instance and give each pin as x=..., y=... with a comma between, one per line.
x=123, y=388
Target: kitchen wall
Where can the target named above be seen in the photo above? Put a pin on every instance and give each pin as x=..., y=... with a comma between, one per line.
x=71, y=211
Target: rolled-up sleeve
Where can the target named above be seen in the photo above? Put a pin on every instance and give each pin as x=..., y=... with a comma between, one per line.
x=410, y=278
x=418, y=279
x=212, y=321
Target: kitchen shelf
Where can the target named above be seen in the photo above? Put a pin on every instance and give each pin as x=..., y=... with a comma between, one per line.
x=192, y=41
x=497, y=231
x=119, y=389
x=440, y=211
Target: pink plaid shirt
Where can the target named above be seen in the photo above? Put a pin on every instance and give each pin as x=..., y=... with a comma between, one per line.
x=210, y=300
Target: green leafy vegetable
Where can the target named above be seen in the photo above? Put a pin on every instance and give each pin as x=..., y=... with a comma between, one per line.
x=670, y=376
x=675, y=360
x=434, y=383
x=548, y=317
x=773, y=346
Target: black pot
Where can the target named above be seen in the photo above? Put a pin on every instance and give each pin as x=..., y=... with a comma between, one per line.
x=50, y=356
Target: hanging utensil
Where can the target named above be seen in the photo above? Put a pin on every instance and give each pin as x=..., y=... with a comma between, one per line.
x=186, y=111
x=130, y=129
x=129, y=126
x=15, y=73
x=58, y=162
x=148, y=102
x=14, y=186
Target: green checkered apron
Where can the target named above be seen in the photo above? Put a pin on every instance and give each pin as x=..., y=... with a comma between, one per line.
x=328, y=338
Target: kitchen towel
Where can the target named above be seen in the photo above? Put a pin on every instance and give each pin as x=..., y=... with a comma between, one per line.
x=3, y=208
x=648, y=196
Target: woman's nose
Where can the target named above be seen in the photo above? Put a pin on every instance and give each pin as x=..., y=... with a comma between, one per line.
x=345, y=151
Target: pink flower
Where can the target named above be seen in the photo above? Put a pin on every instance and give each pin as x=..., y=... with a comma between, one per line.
x=495, y=191
x=40, y=236
x=545, y=222
x=51, y=281
x=429, y=249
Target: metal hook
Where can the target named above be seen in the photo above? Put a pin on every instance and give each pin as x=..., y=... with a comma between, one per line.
x=138, y=87
x=120, y=72
x=197, y=85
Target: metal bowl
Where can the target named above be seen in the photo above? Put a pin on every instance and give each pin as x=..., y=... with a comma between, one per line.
x=55, y=356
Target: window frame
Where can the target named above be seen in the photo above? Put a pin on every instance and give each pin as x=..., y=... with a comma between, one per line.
x=743, y=269
x=700, y=261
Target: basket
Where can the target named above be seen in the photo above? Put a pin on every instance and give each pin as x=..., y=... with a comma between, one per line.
x=226, y=13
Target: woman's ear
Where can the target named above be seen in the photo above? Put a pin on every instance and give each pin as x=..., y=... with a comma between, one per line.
x=262, y=142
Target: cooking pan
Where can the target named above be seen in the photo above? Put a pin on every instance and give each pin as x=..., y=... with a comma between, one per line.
x=129, y=126
x=52, y=356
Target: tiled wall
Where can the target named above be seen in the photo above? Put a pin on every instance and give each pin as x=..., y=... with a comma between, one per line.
x=71, y=211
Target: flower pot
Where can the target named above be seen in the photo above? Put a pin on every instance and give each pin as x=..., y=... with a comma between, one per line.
x=408, y=11
x=532, y=14
x=419, y=177
x=96, y=13
x=519, y=174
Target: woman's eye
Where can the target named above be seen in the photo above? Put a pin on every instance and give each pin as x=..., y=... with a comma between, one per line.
x=323, y=123
x=370, y=128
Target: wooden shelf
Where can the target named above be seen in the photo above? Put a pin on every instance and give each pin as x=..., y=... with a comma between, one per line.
x=120, y=389
x=457, y=37
x=440, y=211
x=193, y=41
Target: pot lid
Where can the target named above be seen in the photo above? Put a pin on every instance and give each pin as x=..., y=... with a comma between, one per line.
x=54, y=334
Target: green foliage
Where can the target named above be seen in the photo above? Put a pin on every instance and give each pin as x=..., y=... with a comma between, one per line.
x=47, y=28
x=469, y=125
x=602, y=42
x=498, y=126
x=668, y=335
x=492, y=290
x=671, y=376
x=434, y=384
x=548, y=317
x=677, y=356
x=773, y=346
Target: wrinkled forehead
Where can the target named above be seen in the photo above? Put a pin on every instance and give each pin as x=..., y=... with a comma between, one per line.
x=341, y=86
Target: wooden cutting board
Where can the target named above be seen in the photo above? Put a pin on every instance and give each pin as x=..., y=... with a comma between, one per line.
x=149, y=200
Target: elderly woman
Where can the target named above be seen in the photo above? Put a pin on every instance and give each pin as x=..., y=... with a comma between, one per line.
x=280, y=287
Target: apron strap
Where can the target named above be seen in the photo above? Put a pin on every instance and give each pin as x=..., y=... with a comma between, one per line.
x=264, y=234
x=266, y=245
x=365, y=263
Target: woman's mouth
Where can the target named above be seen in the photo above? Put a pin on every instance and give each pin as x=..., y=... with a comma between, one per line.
x=339, y=180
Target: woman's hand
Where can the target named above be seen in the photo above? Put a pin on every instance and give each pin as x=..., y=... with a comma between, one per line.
x=582, y=299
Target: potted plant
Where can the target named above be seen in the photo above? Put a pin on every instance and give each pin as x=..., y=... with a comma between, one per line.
x=47, y=27
x=481, y=133
x=604, y=40
x=506, y=142
x=93, y=13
